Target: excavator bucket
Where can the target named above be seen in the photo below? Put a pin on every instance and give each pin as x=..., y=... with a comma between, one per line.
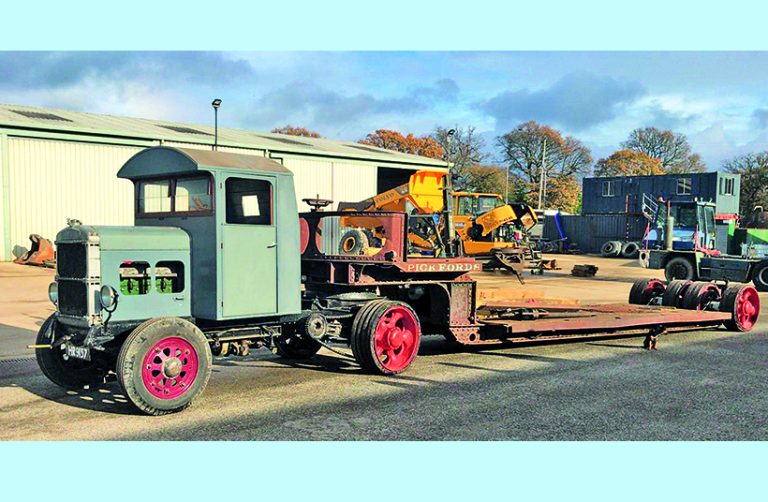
x=495, y=218
x=41, y=252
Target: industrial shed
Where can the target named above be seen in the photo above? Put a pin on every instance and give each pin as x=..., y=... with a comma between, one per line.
x=56, y=164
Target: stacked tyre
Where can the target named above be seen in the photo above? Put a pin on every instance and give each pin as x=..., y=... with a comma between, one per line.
x=615, y=249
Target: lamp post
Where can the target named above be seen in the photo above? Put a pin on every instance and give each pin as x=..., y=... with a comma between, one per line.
x=543, y=174
x=216, y=103
x=448, y=195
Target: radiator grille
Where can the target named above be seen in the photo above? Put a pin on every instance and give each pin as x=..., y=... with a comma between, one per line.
x=73, y=298
x=71, y=260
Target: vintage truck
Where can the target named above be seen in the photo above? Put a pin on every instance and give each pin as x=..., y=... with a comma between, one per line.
x=221, y=262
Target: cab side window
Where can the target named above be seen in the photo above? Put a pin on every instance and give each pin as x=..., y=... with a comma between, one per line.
x=249, y=201
x=169, y=277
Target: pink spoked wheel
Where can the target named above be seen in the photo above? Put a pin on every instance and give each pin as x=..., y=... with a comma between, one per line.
x=645, y=290
x=385, y=336
x=743, y=303
x=699, y=294
x=170, y=367
x=164, y=364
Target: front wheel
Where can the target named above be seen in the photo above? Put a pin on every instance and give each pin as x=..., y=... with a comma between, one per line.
x=679, y=268
x=164, y=364
x=68, y=373
x=760, y=276
x=385, y=336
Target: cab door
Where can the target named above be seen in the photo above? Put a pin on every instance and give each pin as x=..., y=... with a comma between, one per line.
x=249, y=247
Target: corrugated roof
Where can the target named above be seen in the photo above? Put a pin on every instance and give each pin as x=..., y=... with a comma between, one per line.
x=27, y=117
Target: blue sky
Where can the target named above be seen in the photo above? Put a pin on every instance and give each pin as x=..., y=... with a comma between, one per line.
x=719, y=100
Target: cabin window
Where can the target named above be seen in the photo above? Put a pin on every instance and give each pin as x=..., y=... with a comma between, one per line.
x=727, y=186
x=609, y=188
x=135, y=277
x=192, y=195
x=465, y=206
x=169, y=277
x=249, y=201
x=684, y=186
x=155, y=196
x=187, y=195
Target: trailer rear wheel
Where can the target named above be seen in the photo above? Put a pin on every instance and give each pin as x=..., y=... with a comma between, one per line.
x=760, y=276
x=743, y=303
x=71, y=373
x=645, y=290
x=679, y=268
x=673, y=296
x=164, y=364
x=385, y=336
x=699, y=294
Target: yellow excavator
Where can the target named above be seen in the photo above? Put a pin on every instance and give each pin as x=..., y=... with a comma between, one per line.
x=485, y=226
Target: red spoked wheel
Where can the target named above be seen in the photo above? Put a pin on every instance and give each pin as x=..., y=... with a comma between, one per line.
x=744, y=304
x=699, y=294
x=164, y=364
x=170, y=367
x=645, y=290
x=385, y=336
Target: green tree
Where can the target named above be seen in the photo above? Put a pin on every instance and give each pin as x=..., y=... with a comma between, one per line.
x=565, y=159
x=753, y=168
x=464, y=149
x=671, y=148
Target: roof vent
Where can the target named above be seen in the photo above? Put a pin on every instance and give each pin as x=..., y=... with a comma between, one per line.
x=184, y=130
x=40, y=115
x=369, y=149
x=286, y=140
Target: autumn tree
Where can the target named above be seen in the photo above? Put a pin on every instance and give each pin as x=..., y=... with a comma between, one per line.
x=532, y=145
x=753, y=168
x=464, y=149
x=296, y=131
x=393, y=140
x=564, y=193
x=628, y=163
x=671, y=148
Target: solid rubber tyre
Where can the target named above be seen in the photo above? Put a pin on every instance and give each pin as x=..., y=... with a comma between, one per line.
x=644, y=290
x=70, y=374
x=679, y=268
x=630, y=250
x=760, y=276
x=136, y=349
x=369, y=329
x=353, y=242
x=673, y=296
x=699, y=294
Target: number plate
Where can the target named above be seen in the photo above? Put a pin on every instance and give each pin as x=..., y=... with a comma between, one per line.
x=83, y=353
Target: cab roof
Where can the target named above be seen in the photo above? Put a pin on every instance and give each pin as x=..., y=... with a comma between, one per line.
x=163, y=160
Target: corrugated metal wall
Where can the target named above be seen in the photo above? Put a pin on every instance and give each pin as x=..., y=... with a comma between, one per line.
x=53, y=180
x=591, y=231
x=337, y=181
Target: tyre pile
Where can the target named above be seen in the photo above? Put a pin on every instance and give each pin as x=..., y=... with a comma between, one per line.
x=616, y=249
